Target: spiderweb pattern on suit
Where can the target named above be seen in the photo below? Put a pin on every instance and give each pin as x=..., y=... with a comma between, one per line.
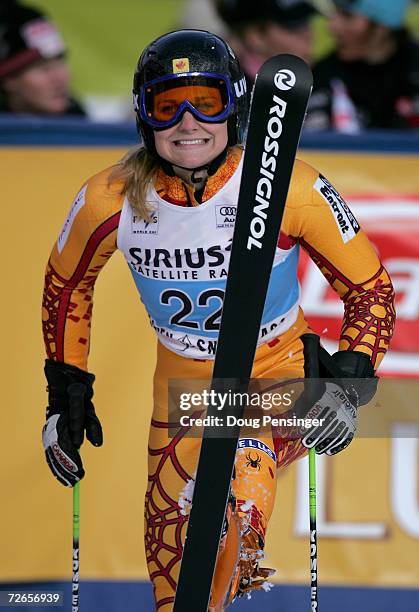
x=164, y=521
x=369, y=317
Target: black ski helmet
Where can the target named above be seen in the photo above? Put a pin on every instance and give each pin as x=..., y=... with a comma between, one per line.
x=206, y=53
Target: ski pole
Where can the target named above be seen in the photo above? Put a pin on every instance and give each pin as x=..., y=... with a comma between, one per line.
x=312, y=348
x=76, y=393
x=76, y=525
x=313, y=529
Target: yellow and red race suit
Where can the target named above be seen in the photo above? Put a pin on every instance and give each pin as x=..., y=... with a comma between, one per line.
x=179, y=262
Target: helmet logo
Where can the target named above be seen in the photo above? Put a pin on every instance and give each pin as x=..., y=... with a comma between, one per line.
x=180, y=65
x=240, y=87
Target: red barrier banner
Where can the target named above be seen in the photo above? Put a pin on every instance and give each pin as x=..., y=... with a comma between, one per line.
x=392, y=224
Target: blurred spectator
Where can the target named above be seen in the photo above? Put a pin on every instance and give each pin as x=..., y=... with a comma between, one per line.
x=371, y=79
x=34, y=75
x=201, y=15
x=264, y=28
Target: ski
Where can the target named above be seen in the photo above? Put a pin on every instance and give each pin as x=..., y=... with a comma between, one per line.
x=279, y=101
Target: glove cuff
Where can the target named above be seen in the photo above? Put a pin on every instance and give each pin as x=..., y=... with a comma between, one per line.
x=358, y=366
x=354, y=364
x=57, y=369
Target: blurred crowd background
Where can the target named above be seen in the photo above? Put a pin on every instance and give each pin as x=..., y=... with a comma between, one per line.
x=363, y=53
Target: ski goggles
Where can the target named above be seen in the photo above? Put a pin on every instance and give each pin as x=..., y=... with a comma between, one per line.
x=207, y=96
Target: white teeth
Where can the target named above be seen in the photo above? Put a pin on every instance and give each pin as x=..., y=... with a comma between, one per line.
x=197, y=141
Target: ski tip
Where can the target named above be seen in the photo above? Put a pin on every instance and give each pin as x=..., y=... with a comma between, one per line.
x=288, y=70
x=287, y=58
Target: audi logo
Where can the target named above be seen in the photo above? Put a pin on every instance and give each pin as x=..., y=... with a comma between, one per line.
x=228, y=210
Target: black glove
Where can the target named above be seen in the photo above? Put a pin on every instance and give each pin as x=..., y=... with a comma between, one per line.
x=70, y=411
x=357, y=372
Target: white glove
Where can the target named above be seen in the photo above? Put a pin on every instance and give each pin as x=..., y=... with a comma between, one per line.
x=338, y=426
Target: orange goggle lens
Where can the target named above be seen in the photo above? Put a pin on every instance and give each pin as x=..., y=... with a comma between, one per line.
x=205, y=99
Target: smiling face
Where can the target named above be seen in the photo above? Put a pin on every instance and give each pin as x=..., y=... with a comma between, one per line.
x=191, y=143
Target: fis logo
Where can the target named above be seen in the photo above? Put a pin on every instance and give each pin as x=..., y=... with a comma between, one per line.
x=225, y=215
x=145, y=226
x=285, y=79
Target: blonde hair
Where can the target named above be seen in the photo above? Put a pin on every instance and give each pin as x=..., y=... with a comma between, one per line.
x=136, y=170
